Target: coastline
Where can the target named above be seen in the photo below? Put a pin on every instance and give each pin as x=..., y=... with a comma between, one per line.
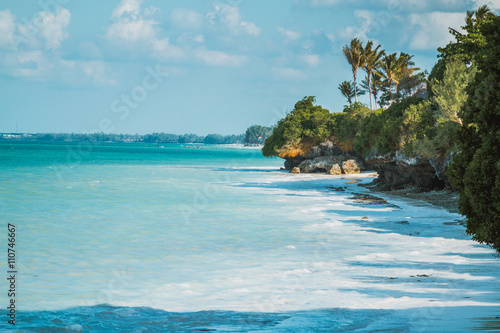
x=332, y=258
x=446, y=199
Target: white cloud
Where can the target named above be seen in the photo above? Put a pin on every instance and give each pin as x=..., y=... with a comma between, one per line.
x=39, y=66
x=287, y=74
x=366, y=19
x=231, y=18
x=351, y=32
x=250, y=28
x=132, y=29
x=289, y=34
x=185, y=19
x=52, y=27
x=164, y=50
x=7, y=28
x=151, y=11
x=431, y=29
x=27, y=64
x=130, y=7
x=45, y=28
x=492, y=4
x=30, y=51
x=187, y=39
x=129, y=26
x=216, y=58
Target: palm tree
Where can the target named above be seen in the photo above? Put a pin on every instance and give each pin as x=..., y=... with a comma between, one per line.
x=469, y=17
x=482, y=13
x=372, y=61
x=405, y=68
x=354, y=56
x=377, y=86
x=389, y=71
x=348, y=90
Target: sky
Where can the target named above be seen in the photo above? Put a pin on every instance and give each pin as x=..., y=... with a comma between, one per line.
x=197, y=66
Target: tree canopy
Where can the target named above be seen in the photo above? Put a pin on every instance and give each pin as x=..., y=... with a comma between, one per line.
x=307, y=124
x=475, y=170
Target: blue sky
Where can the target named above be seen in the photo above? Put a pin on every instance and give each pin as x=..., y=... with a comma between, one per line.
x=197, y=66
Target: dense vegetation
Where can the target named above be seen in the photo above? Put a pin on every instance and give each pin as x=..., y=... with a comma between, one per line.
x=459, y=120
x=306, y=125
x=475, y=170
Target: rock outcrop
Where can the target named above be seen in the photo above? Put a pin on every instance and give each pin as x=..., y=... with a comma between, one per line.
x=397, y=172
x=319, y=164
x=326, y=158
x=334, y=165
x=323, y=149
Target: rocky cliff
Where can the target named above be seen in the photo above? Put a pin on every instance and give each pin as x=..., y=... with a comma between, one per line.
x=395, y=170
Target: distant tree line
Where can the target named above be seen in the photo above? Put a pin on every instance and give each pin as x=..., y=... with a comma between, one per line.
x=255, y=134
x=149, y=138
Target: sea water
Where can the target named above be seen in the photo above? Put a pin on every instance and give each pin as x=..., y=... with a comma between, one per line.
x=149, y=238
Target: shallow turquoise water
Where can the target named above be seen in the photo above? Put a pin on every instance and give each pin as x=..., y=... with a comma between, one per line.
x=221, y=229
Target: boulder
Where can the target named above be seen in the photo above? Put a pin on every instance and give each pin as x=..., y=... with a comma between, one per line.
x=336, y=170
x=295, y=170
x=319, y=164
x=351, y=167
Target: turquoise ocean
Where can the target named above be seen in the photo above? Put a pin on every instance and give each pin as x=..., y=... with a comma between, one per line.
x=169, y=238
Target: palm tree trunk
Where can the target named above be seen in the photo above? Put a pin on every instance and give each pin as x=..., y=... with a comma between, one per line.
x=368, y=78
x=355, y=89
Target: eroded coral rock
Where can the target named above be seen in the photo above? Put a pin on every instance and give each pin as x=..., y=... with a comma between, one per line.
x=336, y=170
x=351, y=167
